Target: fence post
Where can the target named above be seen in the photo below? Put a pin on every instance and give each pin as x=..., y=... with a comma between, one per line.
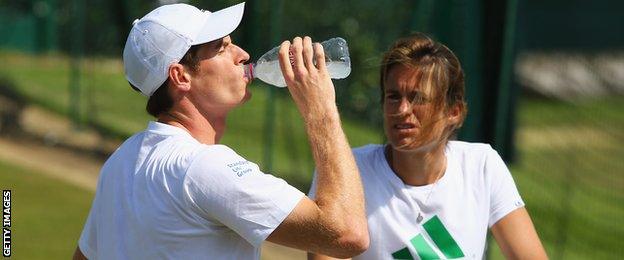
x=504, y=99
x=77, y=42
x=269, y=123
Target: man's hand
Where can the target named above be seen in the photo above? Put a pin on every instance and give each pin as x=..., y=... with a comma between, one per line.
x=309, y=84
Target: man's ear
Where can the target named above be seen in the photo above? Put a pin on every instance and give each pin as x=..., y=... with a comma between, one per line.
x=179, y=77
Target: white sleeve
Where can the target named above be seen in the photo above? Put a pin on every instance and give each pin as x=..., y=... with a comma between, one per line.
x=88, y=238
x=223, y=186
x=504, y=196
x=312, y=191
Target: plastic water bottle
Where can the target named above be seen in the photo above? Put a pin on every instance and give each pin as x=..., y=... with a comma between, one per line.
x=268, y=70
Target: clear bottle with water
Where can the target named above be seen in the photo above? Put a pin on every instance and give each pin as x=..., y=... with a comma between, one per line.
x=268, y=70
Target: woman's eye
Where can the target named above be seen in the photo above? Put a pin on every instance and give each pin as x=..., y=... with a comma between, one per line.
x=419, y=99
x=393, y=97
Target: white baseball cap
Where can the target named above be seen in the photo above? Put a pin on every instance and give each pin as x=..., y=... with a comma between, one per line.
x=164, y=35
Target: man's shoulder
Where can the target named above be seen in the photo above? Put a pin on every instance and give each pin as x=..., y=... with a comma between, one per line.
x=219, y=158
x=217, y=151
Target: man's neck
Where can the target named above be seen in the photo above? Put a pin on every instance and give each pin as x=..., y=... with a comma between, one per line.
x=207, y=129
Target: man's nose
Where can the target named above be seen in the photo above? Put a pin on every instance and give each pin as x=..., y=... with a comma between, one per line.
x=243, y=56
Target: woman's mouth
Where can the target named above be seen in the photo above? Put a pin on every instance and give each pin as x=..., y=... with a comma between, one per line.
x=404, y=126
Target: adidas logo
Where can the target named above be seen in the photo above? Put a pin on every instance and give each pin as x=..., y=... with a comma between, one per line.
x=442, y=239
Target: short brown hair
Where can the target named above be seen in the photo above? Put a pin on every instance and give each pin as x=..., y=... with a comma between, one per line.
x=160, y=101
x=437, y=67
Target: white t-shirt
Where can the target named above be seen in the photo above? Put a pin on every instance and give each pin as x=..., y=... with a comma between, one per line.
x=475, y=192
x=164, y=195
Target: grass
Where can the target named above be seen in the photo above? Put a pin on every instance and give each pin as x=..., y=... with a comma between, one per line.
x=47, y=214
x=570, y=175
x=569, y=169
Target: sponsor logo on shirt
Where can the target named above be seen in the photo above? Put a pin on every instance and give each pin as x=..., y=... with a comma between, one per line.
x=241, y=167
x=440, y=239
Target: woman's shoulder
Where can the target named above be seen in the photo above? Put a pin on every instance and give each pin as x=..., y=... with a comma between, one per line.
x=367, y=151
x=472, y=155
x=475, y=158
x=370, y=157
x=469, y=149
x=470, y=146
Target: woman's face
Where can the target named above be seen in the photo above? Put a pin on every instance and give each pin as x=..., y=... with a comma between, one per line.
x=411, y=121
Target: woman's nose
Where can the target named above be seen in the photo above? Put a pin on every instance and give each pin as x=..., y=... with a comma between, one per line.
x=405, y=106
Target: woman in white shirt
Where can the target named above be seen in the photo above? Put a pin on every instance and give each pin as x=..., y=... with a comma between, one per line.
x=428, y=197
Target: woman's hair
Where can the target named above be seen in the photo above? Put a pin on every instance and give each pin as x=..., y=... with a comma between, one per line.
x=160, y=101
x=437, y=71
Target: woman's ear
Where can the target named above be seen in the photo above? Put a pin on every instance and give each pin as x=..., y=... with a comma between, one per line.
x=455, y=114
x=179, y=77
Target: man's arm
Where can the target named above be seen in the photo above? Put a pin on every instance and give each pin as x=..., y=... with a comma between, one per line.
x=517, y=237
x=78, y=255
x=313, y=256
x=335, y=222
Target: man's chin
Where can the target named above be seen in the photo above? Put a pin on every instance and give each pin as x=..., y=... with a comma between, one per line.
x=247, y=96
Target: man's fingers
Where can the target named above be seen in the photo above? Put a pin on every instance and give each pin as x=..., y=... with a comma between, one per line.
x=319, y=55
x=284, y=61
x=296, y=49
x=308, y=54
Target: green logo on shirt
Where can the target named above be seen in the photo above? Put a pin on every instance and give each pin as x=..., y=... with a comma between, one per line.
x=441, y=238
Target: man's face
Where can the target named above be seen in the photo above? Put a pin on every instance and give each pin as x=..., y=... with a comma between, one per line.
x=219, y=83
